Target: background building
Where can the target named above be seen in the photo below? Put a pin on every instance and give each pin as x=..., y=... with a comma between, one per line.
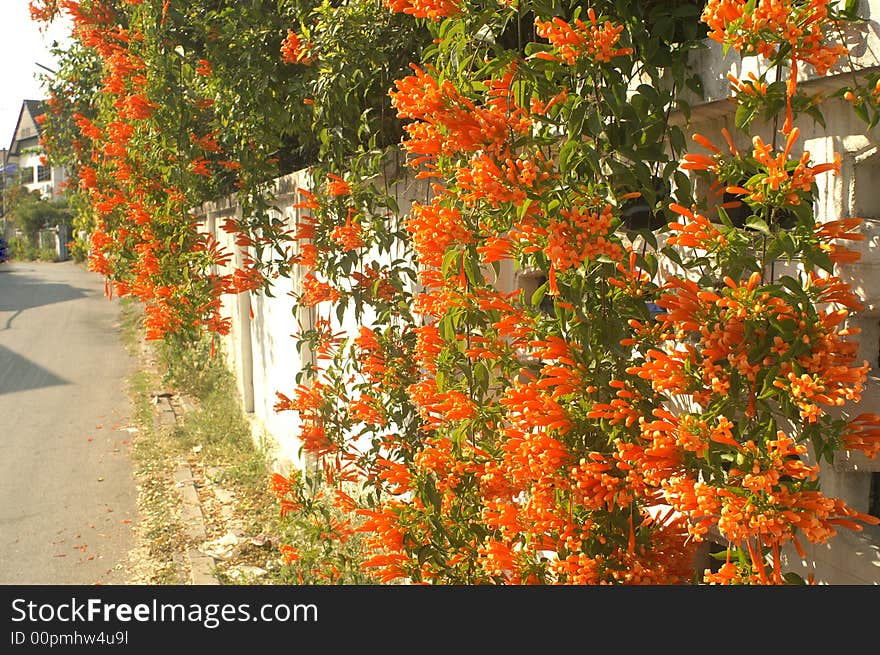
x=25, y=165
x=26, y=156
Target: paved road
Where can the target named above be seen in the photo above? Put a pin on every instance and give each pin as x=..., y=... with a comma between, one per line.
x=67, y=493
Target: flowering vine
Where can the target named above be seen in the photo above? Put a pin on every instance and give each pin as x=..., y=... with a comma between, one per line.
x=569, y=366
x=596, y=439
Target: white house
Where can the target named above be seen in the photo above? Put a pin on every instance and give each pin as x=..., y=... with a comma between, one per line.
x=27, y=155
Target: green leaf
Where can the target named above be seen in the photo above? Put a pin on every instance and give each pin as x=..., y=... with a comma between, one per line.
x=816, y=114
x=481, y=377
x=650, y=93
x=424, y=553
x=432, y=496
x=472, y=271
x=794, y=286
x=450, y=261
x=756, y=223
x=725, y=217
x=791, y=577
x=673, y=255
x=745, y=114
x=774, y=249
x=538, y=295
x=565, y=155
x=695, y=84
x=523, y=209
x=446, y=328
x=823, y=260
x=682, y=187
x=576, y=119
x=677, y=139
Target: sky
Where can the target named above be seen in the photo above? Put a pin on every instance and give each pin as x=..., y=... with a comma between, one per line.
x=23, y=47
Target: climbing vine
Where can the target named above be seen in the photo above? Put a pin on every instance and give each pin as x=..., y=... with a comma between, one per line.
x=593, y=341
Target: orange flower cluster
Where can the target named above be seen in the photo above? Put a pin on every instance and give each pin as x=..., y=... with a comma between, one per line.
x=43, y=11
x=813, y=366
x=510, y=182
x=138, y=186
x=580, y=234
x=294, y=51
x=722, y=321
x=349, y=236
x=698, y=232
x=434, y=229
x=316, y=291
x=337, y=186
x=863, y=434
x=778, y=182
x=597, y=42
x=755, y=507
x=763, y=27
x=370, y=355
x=781, y=183
x=448, y=122
x=309, y=403
x=751, y=87
x=433, y=9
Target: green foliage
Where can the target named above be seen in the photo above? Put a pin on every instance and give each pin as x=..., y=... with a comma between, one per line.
x=32, y=214
x=327, y=549
x=78, y=250
x=25, y=250
x=193, y=366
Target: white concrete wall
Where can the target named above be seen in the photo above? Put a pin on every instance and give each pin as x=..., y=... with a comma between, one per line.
x=261, y=347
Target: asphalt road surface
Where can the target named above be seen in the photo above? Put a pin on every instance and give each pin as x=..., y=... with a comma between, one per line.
x=67, y=492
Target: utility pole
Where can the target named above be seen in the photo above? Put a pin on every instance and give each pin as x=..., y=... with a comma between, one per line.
x=5, y=154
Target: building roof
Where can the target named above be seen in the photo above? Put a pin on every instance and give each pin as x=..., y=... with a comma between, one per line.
x=34, y=109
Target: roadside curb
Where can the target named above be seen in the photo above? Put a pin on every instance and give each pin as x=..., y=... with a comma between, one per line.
x=201, y=566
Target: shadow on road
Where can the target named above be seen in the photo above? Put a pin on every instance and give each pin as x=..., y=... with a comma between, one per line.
x=20, y=292
x=18, y=373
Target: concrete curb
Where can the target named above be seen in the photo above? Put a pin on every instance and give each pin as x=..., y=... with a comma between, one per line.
x=201, y=566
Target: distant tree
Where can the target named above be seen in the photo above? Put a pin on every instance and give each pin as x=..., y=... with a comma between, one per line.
x=30, y=213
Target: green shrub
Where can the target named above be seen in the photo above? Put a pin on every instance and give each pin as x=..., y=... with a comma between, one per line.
x=78, y=249
x=22, y=250
x=46, y=255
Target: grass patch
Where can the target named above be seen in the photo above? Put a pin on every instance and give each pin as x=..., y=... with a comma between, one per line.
x=214, y=438
x=216, y=422
x=218, y=429
x=231, y=473
x=159, y=505
x=158, y=558
x=130, y=316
